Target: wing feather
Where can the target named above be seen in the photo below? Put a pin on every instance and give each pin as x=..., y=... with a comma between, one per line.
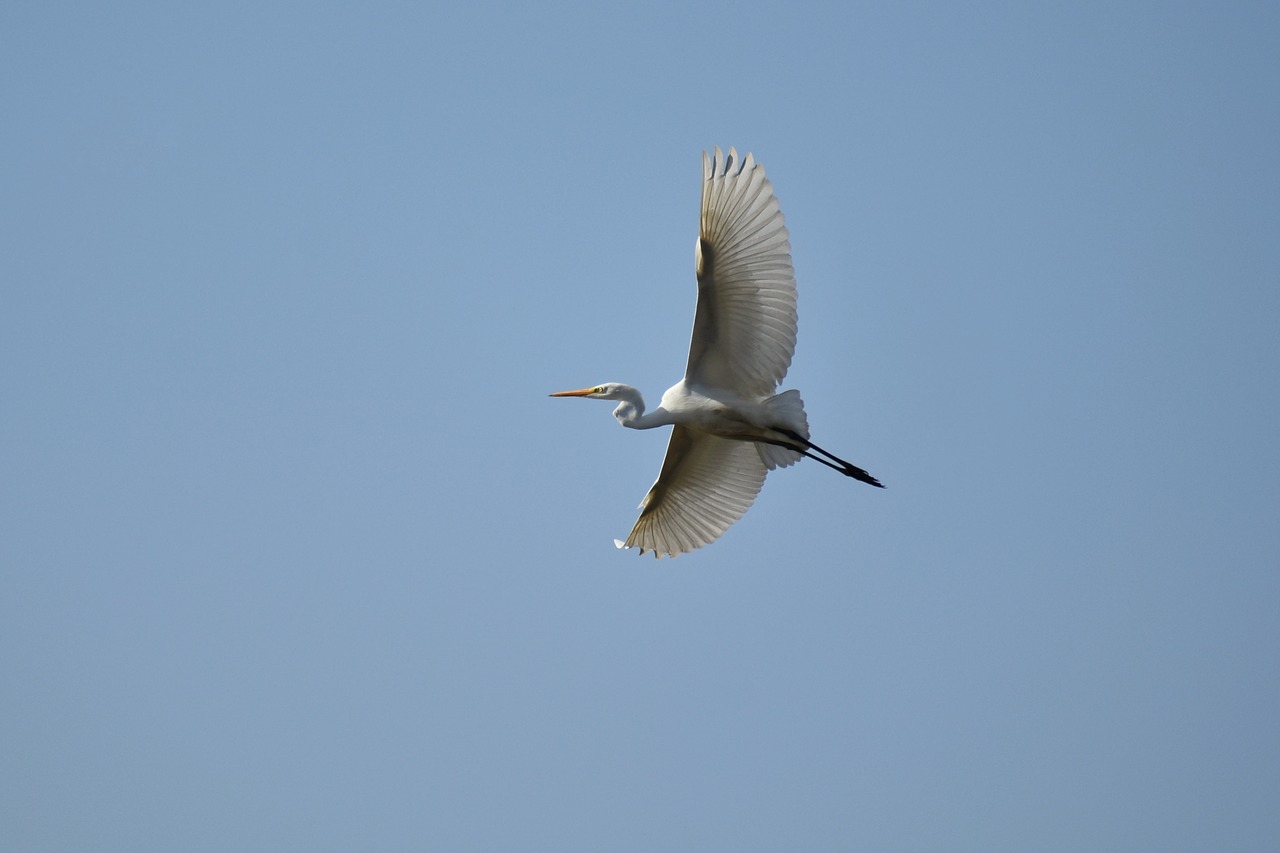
x=706, y=484
x=744, y=329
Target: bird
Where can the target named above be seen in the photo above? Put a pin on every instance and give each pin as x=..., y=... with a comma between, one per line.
x=730, y=425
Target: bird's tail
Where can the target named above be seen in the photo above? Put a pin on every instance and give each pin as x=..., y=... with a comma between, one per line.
x=786, y=409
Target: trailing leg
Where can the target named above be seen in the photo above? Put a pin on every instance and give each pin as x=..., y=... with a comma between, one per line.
x=846, y=468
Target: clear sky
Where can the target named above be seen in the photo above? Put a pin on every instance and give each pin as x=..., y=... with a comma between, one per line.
x=296, y=553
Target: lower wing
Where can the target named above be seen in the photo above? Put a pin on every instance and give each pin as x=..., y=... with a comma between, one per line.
x=706, y=484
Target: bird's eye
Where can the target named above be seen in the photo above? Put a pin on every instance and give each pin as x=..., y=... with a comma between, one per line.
x=599, y=390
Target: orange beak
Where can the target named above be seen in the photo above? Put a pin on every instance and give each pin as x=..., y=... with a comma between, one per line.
x=582, y=393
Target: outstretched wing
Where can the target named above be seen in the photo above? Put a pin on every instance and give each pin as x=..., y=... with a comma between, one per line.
x=706, y=484
x=744, y=331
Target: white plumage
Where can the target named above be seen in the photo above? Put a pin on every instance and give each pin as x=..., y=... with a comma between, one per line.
x=730, y=426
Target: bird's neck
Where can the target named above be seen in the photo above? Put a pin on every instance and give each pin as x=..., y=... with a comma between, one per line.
x=630, y=412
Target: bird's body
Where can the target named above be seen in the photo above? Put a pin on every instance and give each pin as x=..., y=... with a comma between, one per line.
x=731, y=427
x=714, y=411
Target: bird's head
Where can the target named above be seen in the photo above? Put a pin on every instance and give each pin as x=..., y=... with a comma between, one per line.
x=606, y=391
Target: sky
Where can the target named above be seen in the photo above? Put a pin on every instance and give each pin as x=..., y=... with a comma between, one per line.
x=297, y=554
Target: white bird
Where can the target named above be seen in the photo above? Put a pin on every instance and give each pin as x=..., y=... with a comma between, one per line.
x=730, y=426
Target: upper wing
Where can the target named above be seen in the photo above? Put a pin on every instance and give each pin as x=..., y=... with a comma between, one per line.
x=744, y=331
x=706, y=484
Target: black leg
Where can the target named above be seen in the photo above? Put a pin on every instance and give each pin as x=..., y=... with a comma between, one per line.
x=846, y=468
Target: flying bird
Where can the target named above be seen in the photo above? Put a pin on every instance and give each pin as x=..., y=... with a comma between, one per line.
x=730, y=424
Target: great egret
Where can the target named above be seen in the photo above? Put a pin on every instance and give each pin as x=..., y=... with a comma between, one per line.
x=730, y=426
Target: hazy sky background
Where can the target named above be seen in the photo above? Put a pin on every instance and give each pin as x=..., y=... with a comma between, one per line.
x=297, y=554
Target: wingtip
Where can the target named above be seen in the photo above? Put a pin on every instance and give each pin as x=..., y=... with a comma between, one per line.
x=718, y=164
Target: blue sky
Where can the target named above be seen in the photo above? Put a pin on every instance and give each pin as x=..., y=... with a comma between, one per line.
x=297, y=554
